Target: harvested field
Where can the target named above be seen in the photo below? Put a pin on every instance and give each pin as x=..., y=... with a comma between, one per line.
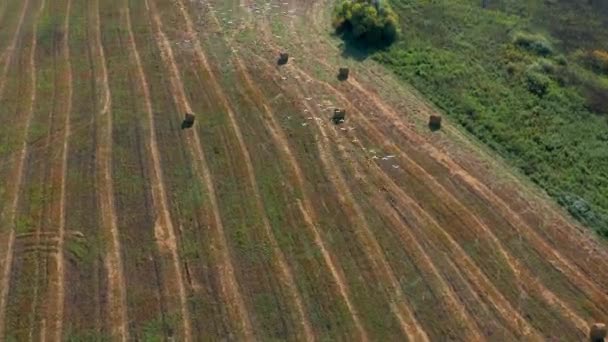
x=264, y=220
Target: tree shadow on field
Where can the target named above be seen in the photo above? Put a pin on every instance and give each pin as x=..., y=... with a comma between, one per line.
x=361, y=48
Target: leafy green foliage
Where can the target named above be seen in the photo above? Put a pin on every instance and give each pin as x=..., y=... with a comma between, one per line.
x=536, y=98
x=534, y=43
x=370, y=21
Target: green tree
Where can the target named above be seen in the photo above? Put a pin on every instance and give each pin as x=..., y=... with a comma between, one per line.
x=371, y=21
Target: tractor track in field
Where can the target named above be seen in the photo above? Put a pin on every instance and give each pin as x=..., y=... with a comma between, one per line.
x=405, y=316
x=229, y=285
x=408, y=238
x=452, y=302
x=408, y=323
x=437, y=243
x=103, y=151
x=399, y=307
x=547, y=295
x=28, y=113
x=559, y=262
x=473, y=272
x=59, y=300
x=164, y=229
x=417, y=254
x=576, y=277
x=7, y=55
x=450, y=298
x=284, y=269
x=305, y=205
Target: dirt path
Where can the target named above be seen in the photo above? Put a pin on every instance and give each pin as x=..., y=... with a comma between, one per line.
x=7, y=55
x=165, y=232
x=284, y=270
x=230, y=287
x=27, y=114
x=57, y=310
x=116, y=281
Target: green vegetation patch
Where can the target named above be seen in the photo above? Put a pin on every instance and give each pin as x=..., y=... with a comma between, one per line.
x=370, y=21
x=530, y=87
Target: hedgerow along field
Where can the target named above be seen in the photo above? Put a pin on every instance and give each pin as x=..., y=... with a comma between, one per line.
x=264, y=220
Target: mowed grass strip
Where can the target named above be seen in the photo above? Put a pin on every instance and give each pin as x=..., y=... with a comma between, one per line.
x=144, y=267
x=37, y=231
x=19, y=287
x=12, y=100
x=466, y=220
x=438, y=303
x=188, y=199
x=251, y=252
x=280, y=195
x=84, y=244
x=336, y=227
x=9, y=19
x=407, y=143
x=521, y=249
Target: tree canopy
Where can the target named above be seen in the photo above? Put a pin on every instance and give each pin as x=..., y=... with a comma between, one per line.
x=370, y=21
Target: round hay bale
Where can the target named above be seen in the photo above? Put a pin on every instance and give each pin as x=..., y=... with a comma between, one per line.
x=283, y=58
x=343, y=74
x=598, y=332
x=435, y=122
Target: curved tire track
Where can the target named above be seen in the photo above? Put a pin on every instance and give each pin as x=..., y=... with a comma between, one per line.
x=165, y=232
x=10, y=50
x=8, y=262
x=58, y=303
x=103, y=151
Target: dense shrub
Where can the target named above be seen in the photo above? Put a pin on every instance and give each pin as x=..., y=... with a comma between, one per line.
x=537, y=83
x=596, y=60
x=370, y=21
x=534, y=43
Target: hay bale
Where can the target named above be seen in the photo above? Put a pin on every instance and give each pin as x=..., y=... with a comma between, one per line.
x=283, y=58
x=435, y=122
x=598, y=332
x=339, y=116
x=343, y=74
x=188, y=120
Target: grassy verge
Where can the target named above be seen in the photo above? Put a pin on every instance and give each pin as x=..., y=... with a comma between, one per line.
x=522, y=83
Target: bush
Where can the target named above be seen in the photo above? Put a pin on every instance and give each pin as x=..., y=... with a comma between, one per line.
x=596, y=60
x=537, y=83
x=534, y=43
x=370, y=21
